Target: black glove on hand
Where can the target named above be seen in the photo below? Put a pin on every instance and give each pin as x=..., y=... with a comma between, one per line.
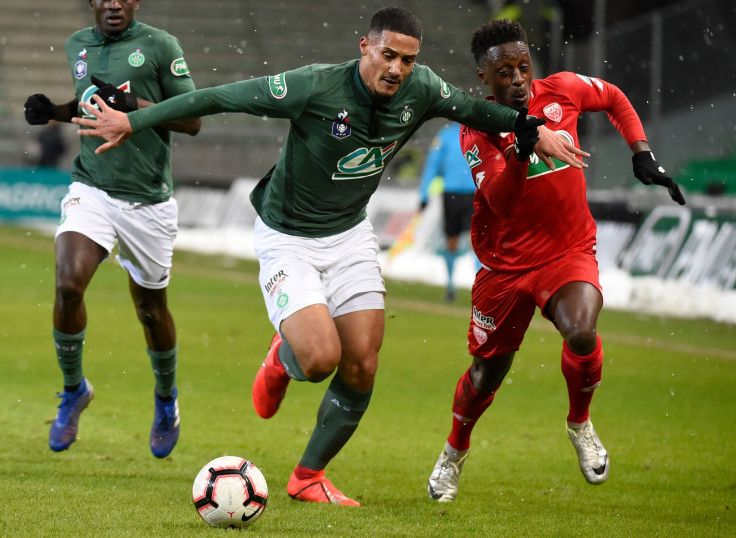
x=114, y=97
x=39, y=109
x=649, y=171
x=526, y=134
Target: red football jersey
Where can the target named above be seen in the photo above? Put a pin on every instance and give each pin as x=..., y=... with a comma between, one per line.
x=551, y=216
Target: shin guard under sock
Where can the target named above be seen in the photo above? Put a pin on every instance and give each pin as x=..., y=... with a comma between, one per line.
x=583, y=375
x=69, y=354
x=164, y=370
x=337, y=419
x=467, y=407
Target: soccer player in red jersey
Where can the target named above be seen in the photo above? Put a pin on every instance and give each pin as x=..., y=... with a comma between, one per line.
x=535, y=237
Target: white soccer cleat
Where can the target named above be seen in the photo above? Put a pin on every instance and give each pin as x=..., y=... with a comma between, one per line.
x=592, y=455
x=442, y=485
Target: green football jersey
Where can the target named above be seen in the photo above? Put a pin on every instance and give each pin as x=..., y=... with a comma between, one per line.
x=340, y=140
x=150, y=63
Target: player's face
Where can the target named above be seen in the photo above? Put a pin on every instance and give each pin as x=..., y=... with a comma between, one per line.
x=508, y=72
x=113, y=16
x=386, y=59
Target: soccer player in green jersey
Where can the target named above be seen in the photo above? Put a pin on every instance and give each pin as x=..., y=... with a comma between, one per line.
x=319, y=274
x=125, y=196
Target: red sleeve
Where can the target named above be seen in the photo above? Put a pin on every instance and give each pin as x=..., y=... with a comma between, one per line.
x=594, y=94
x=504, y=191
x=500, y=181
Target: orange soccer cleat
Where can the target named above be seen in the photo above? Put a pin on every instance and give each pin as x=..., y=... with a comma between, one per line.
x=317, y=489
x=269, y=386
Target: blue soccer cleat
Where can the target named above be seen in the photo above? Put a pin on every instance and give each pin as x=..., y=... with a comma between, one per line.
x=165, y=430
x=64, y=428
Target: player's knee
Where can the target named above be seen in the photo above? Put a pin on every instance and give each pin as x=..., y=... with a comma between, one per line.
x=582, y=342
x=69, y=292
x=318, y=371
x=150, y=317
x=488, y=374
x=319, y=363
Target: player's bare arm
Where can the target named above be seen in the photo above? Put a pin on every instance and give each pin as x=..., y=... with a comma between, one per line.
x=553, y=145
x=109, y=124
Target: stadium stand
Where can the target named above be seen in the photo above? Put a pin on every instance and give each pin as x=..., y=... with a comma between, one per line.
x=223, y=42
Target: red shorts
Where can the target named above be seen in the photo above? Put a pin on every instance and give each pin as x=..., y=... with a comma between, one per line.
x=504, y=303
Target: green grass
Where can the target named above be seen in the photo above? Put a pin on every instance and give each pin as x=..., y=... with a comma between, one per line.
x=666, y=413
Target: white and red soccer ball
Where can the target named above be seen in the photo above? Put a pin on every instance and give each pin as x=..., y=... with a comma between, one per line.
x=230, y=492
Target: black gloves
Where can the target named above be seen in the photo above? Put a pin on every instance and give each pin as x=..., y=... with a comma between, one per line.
x=114, y=97
x=39, y=109
x=526, y=134
x=649, y=171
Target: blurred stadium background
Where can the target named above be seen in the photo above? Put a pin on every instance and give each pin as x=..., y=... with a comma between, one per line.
x=676, y=62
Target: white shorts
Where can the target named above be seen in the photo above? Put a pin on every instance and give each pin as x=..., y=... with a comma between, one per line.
x=340, y=271
x=145, y=232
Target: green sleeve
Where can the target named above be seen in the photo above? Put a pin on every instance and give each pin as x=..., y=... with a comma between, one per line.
x=173, y=73
x=259, y=97
x=454, y=104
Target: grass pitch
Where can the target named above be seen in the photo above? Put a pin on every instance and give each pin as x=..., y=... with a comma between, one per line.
x=665, y=412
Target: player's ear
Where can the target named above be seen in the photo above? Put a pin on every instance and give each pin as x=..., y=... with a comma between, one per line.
x=481, y=75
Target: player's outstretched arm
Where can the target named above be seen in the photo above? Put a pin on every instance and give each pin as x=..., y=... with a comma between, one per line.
x=553, y=145
x=109, y=124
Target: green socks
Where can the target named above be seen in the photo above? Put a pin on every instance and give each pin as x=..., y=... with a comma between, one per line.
x=69, y=353
x=337, y=419
x=289, y=362
x=164, y=370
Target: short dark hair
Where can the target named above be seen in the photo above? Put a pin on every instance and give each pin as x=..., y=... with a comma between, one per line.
x=396, y=19
x=495, y=33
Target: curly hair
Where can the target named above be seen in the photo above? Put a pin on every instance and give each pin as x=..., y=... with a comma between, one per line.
x=495, y=33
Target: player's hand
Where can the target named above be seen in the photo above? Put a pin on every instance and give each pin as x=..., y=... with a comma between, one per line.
x=553, y=145
x=648, y=171
x=39, y=109
x=115, y=97
x=526, y=134
x=110, y=124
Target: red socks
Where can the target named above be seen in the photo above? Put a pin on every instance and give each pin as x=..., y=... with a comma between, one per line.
x=303, y=473
x=583, y=375
x=467, y=407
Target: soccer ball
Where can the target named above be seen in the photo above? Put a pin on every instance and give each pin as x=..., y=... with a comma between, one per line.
x=230, y=492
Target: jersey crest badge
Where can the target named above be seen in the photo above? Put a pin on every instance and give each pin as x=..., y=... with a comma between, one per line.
x=553, y=111
x=341, y=126
x=136, y=59
x=480, y=335
x=277, y=85
x=80, y=70
x=406, y=115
